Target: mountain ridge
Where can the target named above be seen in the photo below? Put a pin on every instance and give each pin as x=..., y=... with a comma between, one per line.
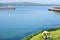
x=24, y=4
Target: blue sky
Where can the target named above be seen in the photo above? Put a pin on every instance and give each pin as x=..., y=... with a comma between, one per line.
x=35, y=1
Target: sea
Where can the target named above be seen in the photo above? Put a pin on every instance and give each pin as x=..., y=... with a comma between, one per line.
x=26, y=20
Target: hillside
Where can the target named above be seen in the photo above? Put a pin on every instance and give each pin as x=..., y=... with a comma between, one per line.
x=24, y=4
x=55, y=36
x=54, y=32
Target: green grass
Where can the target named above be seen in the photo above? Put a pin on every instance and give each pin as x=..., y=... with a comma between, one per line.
x=55, y=35
x=55, y=32
x=31, y=35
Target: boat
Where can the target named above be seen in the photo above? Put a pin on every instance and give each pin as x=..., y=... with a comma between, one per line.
x=7, y=8
x=54, y=9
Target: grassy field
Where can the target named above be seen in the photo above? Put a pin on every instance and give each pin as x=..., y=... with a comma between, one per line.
x=55, y=36
x=55, y=32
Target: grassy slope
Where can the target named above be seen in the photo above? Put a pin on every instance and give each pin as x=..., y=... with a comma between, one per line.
x=55, y=35
x=38, y=36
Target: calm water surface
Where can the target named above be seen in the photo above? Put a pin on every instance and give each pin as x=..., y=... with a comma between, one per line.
x=15, y=24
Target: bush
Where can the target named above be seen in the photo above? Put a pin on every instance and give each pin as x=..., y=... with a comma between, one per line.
x=54, y=29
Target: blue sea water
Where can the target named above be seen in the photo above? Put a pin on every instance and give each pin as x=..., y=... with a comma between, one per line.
x=25, y=20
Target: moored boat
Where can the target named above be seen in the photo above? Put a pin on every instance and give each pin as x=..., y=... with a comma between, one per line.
x=54, y=9
x=9, y=8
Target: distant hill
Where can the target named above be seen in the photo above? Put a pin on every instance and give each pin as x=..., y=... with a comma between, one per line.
x=23, y=4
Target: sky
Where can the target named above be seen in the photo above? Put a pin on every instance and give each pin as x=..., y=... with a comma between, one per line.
x=34, y=1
